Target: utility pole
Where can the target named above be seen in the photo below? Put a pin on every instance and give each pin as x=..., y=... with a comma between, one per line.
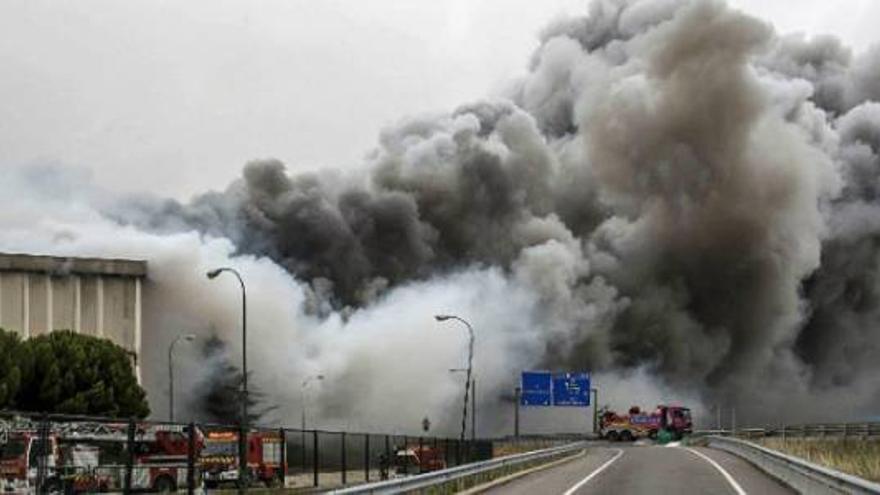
x=595, y=409
x=516, y=397
x=189, y=338
x=242, y=436
x=467, y=382
x=474, y=409
x=733, y=420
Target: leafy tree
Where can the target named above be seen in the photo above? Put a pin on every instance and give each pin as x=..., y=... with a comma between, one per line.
x=220, y=400
x=12, y=356
x=66, y=372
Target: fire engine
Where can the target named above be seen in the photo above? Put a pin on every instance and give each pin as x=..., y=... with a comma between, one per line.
x=415, y=459
x=265, y=458
x=639, y=424
x=89, y=456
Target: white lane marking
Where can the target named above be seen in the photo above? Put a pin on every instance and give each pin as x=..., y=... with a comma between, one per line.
x=592, y=475
x=738, y=489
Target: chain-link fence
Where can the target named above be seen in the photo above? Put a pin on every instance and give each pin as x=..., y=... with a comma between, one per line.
x=75, y=454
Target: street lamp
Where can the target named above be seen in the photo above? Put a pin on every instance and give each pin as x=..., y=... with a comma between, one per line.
x=473, y=401
x=467, y=383
x=305, y=384
x=242, y=437
x=189, y=338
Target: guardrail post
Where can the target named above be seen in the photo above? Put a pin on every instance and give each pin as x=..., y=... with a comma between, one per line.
x=191, y=460
x=344, y=463
x=315, y=455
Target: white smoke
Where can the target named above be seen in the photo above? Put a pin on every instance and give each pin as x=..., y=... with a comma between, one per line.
x=674, y=197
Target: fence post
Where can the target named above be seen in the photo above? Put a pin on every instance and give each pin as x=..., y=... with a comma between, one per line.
x=315, y=455
x=421, y=452
x=283, y=455
x=42, y=453
x=387, y=467
x=344, y=461
x=366, y=457
x=129, y=459
x=191, y=460
x=458, y=452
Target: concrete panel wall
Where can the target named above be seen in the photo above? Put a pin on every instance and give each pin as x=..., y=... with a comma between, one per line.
x=89, y=305
x=63, y=303
x=39, y=304
x=12, y=301
x=119, y=311
x=103, y=306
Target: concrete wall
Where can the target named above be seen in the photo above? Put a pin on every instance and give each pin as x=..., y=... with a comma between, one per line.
x=39, y=294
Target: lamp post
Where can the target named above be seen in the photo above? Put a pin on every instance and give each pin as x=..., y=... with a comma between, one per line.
x=305, y=384
x=467, y=383
x=189, y=338
x=242, y=437
x=473, y=401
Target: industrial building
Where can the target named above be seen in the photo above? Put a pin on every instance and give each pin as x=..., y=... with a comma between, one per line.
x=100, y=297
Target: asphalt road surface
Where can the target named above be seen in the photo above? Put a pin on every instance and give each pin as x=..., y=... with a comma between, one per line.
x=633, y=469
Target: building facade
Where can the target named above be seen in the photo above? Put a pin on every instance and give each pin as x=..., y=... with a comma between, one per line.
x=92, y=296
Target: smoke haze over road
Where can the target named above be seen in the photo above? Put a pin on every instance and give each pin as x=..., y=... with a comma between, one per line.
x=675, y=197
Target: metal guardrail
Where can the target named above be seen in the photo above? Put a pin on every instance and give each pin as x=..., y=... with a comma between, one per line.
x=844, y=430
x=427, y=480
x=803, y=476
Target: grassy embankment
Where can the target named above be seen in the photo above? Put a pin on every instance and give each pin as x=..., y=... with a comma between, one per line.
x=853, y=456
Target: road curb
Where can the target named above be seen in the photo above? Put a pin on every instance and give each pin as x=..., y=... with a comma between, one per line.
x=519, y=474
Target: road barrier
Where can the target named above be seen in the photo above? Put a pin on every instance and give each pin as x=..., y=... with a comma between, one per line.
x=460, y=473
x=820, y=430
x=802, y=476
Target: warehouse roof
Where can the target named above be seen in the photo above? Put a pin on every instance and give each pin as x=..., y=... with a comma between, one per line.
x=67, y=265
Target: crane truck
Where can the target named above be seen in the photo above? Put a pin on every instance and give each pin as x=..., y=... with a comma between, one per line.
x=641, y=424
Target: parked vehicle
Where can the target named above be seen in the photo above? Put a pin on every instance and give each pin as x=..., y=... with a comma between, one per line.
x=415, y=459
x=265, y=458
x=87, y=457
x=638, y=424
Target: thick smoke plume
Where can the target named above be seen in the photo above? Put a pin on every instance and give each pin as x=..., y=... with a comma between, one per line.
x=674, y=196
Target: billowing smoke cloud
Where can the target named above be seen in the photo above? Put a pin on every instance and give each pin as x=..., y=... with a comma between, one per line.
x=674, y=197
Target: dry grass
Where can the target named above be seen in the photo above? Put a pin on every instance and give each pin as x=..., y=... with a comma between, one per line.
x=853, y=456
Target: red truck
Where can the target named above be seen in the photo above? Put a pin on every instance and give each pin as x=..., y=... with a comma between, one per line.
x=415, y=460
x=265, y=458
x=640, y=424
x=91, y=457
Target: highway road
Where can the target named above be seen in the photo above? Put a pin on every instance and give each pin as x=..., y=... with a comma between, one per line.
x=647, y=469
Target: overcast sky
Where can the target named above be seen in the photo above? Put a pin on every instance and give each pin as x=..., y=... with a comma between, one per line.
x=175, y=96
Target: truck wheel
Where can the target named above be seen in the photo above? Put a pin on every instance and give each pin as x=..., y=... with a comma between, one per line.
x=612, y=436
x=626, y=436
x=164, y=484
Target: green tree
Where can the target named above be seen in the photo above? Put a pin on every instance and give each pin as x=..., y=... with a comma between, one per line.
x=220, y=399
x=12, y=362
x=66, y=372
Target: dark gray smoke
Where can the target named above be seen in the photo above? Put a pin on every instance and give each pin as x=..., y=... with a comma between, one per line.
x=685, y=194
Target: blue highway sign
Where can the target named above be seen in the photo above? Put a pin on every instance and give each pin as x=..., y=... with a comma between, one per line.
x=571, y=389
x=536, y=388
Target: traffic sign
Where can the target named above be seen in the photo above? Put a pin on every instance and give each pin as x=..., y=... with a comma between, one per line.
x=536, y=388
x=571, y=389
